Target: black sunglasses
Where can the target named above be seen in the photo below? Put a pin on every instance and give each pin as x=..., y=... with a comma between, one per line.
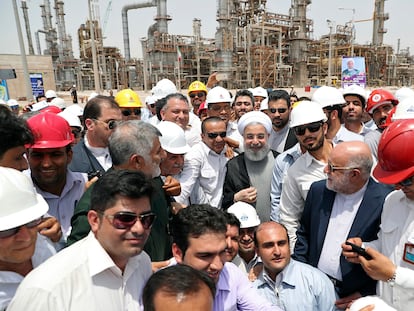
x=10, y=232
x=406, y=182
x=111, y=123
x=313, y=127
x=125, y=220
x=214, y=135
x=280, y=110
x=76, y=133
x=152, y=105
x=199, y=94
x=135, y=111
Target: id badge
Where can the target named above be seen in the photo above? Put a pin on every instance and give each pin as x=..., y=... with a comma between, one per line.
x=409, y=253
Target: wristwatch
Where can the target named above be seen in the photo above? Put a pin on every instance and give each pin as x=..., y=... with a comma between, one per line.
x=391, y=280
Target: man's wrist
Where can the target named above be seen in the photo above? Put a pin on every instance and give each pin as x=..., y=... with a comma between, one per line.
x=391, y=280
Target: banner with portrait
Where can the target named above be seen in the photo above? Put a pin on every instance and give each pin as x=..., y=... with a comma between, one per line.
x=353, y=71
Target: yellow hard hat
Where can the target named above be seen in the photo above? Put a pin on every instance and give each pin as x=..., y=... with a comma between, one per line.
x=197, y=86
x=128, y=99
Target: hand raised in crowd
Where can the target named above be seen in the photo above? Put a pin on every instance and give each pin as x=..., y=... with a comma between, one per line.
x=172, y=186
x=50, y=227
x=176, y=207
x=90, y=182
x=347, y=252
x=248, y=195
x=379, y=267
x=229, y=153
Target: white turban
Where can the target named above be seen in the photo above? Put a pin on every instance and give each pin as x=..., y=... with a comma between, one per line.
x=255, y=117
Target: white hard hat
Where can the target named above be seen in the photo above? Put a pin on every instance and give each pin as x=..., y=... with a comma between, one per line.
x=259, y=91
x=75, y=109
x=404, y=110
x=150, y=100
x=20, y=203
x=50, y=94
x=245, y=213
x=356, y=90
x=306, y=112
x=163, y=88
x=264, y=105
x=403, y=93
x=328, y=96
x=58, y=102
x=72, y=119
x=173, y=138
x=92, y=95
x=218, y=94
x=12, y=103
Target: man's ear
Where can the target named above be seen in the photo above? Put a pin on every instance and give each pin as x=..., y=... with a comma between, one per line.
x=94, y=220
x=89, y=123
x=137, y=162
x=177, y=253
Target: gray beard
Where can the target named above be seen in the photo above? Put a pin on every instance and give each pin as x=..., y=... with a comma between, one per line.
x=256, y=156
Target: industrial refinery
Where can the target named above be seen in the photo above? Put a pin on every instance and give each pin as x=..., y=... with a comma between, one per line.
x=251, y=47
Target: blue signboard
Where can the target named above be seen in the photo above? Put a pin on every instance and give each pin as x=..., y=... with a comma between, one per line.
x=36, y=80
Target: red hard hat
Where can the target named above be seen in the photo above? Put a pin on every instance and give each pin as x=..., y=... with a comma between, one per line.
x=395, y=152
x=51, y=109
x=379, y=97
x=50, y=131
x=388, y=121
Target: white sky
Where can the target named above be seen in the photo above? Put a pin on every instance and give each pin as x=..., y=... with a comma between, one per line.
x=183, y=12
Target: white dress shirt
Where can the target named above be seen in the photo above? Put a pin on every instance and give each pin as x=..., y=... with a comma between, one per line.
x=101, y=154
x=203, y=176
x=300, y=176
x=83, y=277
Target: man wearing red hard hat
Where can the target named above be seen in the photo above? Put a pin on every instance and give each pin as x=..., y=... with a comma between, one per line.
x=49, y=158
x=392, y=254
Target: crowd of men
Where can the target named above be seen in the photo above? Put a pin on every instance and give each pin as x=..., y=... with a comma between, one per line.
x=212, y=201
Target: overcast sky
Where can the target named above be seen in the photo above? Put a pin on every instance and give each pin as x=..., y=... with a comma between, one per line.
x=400, y=24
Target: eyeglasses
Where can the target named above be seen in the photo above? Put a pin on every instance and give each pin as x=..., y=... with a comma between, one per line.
x=313, y=127
x=111, y=123
x=199, y=94
x=128, y=112
x=279, y=110
x=406, y=182
x=10, y=232
x=125, y=220
x=152, y=105
x=332, y=168
x=214, y=135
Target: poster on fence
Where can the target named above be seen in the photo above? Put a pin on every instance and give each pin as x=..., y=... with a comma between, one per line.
x=36, y=80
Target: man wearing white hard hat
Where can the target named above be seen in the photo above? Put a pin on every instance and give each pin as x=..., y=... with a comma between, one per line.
x=219, y=105
x=21, y=248
x=355, y=98
x=249, y=220
x=249, y=174
x=309, y=123
x=332, y=101
x=50, y=95
x=259, y=95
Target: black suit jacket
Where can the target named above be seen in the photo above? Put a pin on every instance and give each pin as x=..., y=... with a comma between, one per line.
x=291, y=140
x=314, y=224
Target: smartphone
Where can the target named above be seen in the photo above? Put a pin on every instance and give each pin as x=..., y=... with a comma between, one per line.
x=359, y=250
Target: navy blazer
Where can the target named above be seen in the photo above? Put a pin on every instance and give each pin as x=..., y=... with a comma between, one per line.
x=314, y=223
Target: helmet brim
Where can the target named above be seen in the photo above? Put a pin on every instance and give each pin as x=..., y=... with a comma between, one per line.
x=392, y=177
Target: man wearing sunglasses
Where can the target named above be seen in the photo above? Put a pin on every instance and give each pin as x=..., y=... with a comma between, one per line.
x=392, y=260
x=91, y=154
x=107, y=270
x=204, y=169
x=309, y=124
x=21, y=247
x=282, y=137
x=348, y=203
x=130, y=104
x=249, y=174
x=197, y=91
